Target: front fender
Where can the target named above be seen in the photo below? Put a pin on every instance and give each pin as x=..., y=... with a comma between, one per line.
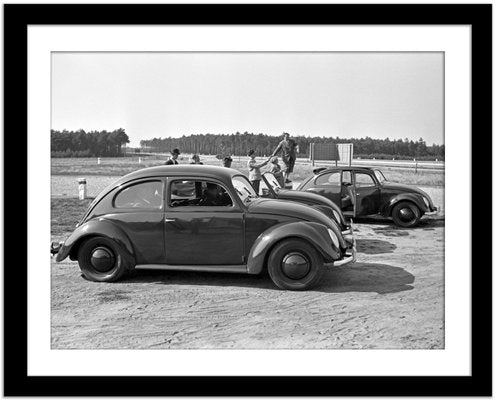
x=313, y=232
x=413, y=197
x=341, y=222
x=96, y=227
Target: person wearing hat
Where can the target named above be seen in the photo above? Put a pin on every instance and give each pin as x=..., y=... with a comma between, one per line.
x=173, y=160
x=254, y=174
x=227, y=161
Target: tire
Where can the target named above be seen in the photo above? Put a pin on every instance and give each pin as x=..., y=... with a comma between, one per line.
x=100, y=260
x=406, y=214
x=290, y=276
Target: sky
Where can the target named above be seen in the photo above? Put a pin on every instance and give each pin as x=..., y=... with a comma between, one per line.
x=395, y=95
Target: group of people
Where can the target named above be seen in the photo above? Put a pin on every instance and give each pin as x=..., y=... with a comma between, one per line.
x=286, y=146
x=195, y=159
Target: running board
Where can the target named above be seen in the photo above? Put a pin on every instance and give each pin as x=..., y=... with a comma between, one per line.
x=208, y=268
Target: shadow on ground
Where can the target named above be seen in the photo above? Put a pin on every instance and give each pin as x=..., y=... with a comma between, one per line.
x=374, y=246
x=366, y=277
x=425, y=222
x=360, y=277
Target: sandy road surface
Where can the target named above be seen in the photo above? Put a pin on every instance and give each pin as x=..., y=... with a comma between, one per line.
x=391, y=298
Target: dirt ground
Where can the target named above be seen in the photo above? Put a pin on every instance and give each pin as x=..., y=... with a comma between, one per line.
x=392, y=297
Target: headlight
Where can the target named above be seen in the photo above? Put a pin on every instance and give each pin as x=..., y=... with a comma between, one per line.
x=426, y=201
x=336, y=216
x=334, y=238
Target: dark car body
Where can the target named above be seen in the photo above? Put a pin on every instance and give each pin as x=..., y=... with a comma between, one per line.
x=271, y=188
x=362, y=191
x=169, y=229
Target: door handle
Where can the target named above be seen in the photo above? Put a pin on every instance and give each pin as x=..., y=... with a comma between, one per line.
x=170, y=219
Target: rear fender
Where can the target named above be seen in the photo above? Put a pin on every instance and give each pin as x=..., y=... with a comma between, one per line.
x=411, y=197
x=313, y=232
x=96, y=227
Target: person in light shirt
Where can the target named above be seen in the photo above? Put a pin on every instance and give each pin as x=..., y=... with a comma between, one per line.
x=254, y=173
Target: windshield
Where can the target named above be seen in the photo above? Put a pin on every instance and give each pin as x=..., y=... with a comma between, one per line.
x=272, y=181
x=243, y=188
x=380, y=176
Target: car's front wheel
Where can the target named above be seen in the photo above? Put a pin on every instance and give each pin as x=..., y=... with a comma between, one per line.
x=100, y=260
x=406, y=214
x=294, y=264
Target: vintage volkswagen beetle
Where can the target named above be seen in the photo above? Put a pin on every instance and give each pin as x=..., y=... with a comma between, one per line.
x=361, y=191
x=202, y=218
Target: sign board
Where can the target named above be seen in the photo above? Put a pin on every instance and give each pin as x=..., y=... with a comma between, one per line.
x=331, y=152
x=324, y=151
x=345, y=152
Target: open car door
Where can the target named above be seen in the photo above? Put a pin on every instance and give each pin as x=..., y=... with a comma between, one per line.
x=367, y=194
x=348, y=195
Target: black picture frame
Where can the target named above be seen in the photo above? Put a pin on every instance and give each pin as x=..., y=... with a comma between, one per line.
x=17, y=17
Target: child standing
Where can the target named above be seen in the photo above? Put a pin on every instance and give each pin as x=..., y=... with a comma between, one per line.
x=275, y=168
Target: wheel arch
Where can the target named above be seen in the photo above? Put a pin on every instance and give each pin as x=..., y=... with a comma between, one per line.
x=95, y=228
x=313, y=233
x=408, y=197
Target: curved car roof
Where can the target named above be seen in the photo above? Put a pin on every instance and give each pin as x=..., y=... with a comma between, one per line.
x=206, y=171
x=347, y=168
x=182, y=169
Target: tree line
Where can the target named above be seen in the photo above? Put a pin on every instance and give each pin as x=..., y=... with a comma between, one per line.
x=238, y=144
x=88, y=144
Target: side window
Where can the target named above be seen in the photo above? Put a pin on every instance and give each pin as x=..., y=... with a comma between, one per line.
x=140, y=195
x=331, y=179
x=192, y=193
x=363, y=180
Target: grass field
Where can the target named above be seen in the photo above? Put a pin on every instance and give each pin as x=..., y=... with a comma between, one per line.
x=122, y=166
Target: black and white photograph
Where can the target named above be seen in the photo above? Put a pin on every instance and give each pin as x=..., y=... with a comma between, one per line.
x=247, y=200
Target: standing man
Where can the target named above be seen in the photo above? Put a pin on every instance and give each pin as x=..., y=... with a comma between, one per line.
x=173, y=159
x=288, y=147
x=254, y=174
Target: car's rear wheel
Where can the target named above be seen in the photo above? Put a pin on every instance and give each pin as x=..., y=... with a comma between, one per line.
x=101, y=260
x=294, y=264
x=406, y=214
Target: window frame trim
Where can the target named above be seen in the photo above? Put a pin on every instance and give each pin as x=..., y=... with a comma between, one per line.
x=168, y=193
x=127, y=185
x=371, y=175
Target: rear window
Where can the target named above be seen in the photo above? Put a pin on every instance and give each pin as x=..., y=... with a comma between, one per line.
x=331, y=179
x=140, y=195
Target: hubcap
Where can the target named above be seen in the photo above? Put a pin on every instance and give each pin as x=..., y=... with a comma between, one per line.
x=295, y=265
x=407, y=214
x=102, y=259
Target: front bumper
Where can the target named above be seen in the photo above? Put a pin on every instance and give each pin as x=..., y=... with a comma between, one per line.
x=350, y=253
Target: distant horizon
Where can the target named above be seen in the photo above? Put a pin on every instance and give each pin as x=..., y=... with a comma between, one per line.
x=161, y=95
x=254, y=133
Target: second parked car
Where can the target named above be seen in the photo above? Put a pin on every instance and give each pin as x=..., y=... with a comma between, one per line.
x=361, y=191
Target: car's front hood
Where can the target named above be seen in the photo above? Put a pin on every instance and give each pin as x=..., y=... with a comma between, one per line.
x=403, y=188
x=307, y=197
x=290, y=209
